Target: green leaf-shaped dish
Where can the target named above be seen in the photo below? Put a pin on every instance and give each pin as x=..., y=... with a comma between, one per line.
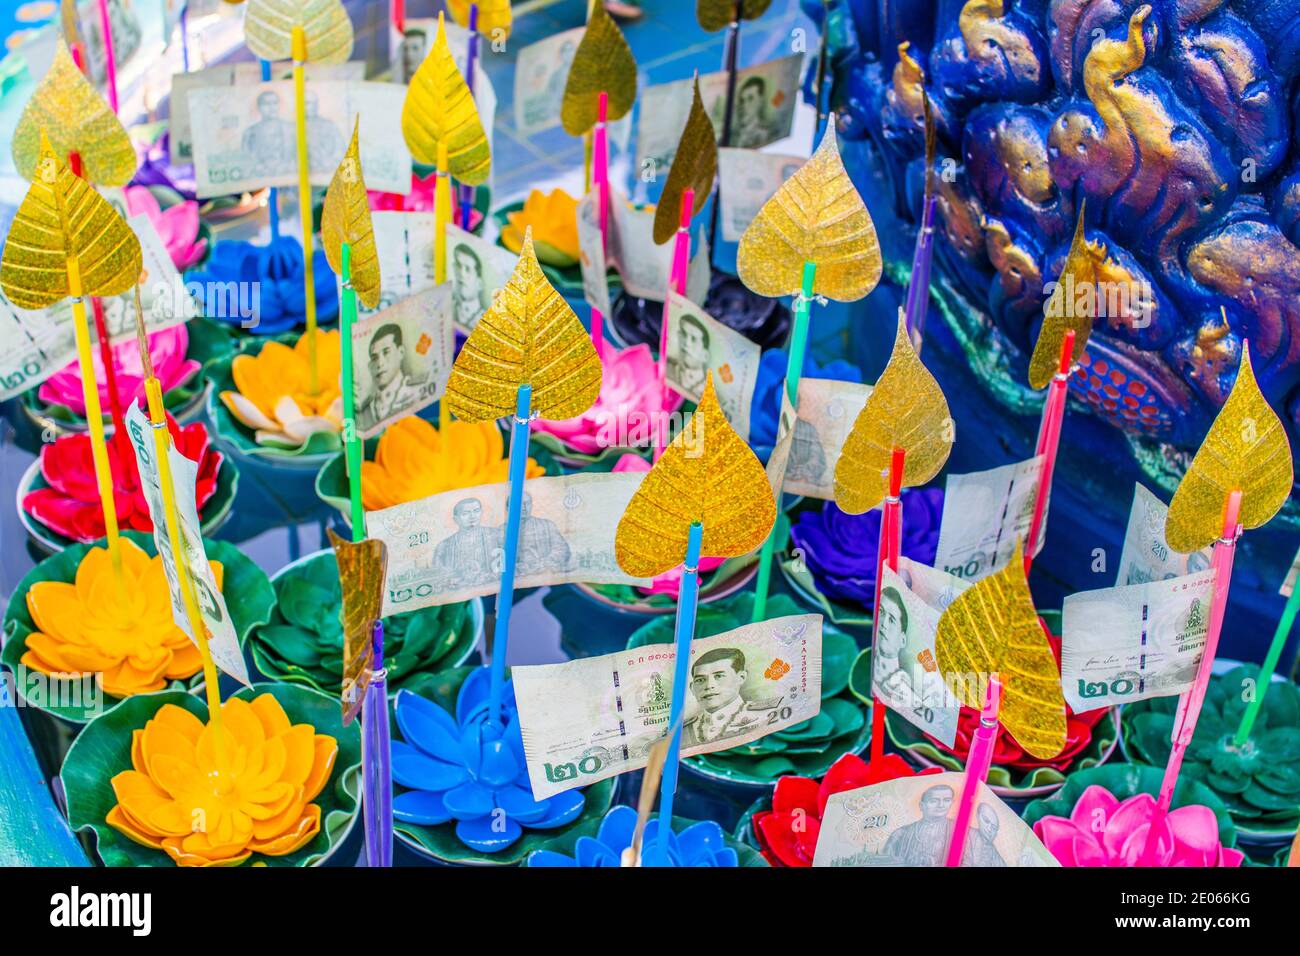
x=248, y=593
x=103, y=749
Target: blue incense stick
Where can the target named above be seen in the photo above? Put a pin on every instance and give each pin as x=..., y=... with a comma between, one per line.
x=506, y=593
x=273, y=205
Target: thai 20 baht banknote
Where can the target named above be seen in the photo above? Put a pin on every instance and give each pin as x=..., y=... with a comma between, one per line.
x=596, y=717
x=910, y=822
x=984, y=514
x=450, y=547
x=541, y=72
x=699, y=344
x=643, y=266
x=827, y=411
x=245, y=137
x=747, y=179
x=1133, y=642
x=1146, y=555
x=402, y=359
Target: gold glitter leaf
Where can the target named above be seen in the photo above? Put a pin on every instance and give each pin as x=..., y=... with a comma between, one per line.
x=816, y=216
x=906, y=409
x=346, y=218
x=68, y=18
x=714, y=15
x=76, y=119
x=63, y=218
x=493, y=15
x=361, y=577
x=694, y=166
x=529, y=336
x=1064, y=310
x=439, y=109
x=707, y=474
x=603, y=63
x=1245, y=449
x=268, y=29
x=992, y=629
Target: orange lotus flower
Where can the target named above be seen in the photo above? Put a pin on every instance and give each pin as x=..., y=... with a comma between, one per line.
x=96, y=627
x=414, y=461
x=275, y=397
x=209, y=805
x=554, y=219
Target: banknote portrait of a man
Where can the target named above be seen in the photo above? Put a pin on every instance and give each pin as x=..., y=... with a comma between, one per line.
x=325, y=141
x=717, y=680
x=689, y=356
x=751, y=125
x=924, y=842
x=543, y=549
x=393, y=387
x=410, y=54
x=469, y=556
x=470, y=297
x=807, y=456
x=980, y=849
x=271, y=140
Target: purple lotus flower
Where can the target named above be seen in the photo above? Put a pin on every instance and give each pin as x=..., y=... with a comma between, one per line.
x=700, y=844
x=840, y=549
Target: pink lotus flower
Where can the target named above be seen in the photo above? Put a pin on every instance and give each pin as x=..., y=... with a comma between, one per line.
x=167, y=349
x=71, y=506
x=1104, y=831
x=177, y=226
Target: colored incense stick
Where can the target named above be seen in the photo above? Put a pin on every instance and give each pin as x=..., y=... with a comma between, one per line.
x=471, y=59
x=352, y=441
x=887, y=555
x=273, y=197
x=600, y=183
x=110, y=59
x=1268, y=667
x=304, y=202
x=1049, y=440
x=977, y=770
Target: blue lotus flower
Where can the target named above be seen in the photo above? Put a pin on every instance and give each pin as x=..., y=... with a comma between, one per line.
x=766, y=407
x=276, y=268
x=700, y=844
x=470, y=770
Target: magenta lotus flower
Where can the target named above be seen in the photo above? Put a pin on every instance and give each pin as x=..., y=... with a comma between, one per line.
x=419, y=199
x=177, y=226
x=167, y=349
x=1104, y=831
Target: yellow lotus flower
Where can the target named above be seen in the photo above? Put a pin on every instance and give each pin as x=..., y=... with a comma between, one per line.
x=275, y=398
x=414, y=461
x=205, y=811
x=554, y=219
x=94, y=627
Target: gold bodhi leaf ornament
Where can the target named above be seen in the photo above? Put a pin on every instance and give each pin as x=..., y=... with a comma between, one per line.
x=906, y=409
x=1246, y=450
x=992, y=629
x=361, y=579
x=438, y=110
x=76, y=119
x=707, y=474
x=816, y=216
x=1066, y=310
x=62, y=225
x=493, y=15
x=695, y=164
x=603, y=63
x=345, y=218
x=714, y=15
x=326, y=26
x=529, y=336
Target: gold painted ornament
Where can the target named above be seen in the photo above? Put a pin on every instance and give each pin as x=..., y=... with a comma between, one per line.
x=1065, y=311
x=439, y=109
x=75, y=118
x=1246, y=450
x=362, y=565
x=906, y=409
x=493, y=15
x=603, y=63
x=715, y=15
x=990, y=629
x=530, y=336
x=268, y=29
x=345, y=217
x=816, y=216
x=695, y=164
x=61, y=225
x=706, y=474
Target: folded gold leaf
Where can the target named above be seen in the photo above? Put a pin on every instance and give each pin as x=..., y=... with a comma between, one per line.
x=345, y=217
x=695, y=164
x=714, y=15
x=268, y=29
x=76, y=119
x=990, y=629
x=1065, y=309
x=1246, y=450
x=528, y=336
x=439, y=109
x=493, y=15
x=603, y=63
x=816, y=216
x=60, y=219
x=707, y=474
x=362, y=565
x=906, y=409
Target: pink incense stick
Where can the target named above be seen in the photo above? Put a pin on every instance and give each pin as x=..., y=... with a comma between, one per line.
x=977, y=769
x=1049, y=440
x=677, y=275
x=891, y=538
x=600, y=182
x=399, y=15
x=110, y=63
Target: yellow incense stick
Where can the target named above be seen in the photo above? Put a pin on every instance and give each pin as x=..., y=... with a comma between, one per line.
x=94, y=417
x=304, y=198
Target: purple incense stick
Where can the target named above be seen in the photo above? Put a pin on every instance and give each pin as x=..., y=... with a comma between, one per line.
x=918, y=289
x=467, y=192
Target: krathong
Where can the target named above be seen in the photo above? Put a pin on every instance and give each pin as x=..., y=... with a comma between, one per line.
x=276, y=271
x=177, y=225
x=273, y=397
x=697, y=844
